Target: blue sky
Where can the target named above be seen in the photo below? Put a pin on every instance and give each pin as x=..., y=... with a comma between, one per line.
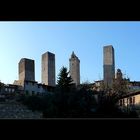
x=32, y=39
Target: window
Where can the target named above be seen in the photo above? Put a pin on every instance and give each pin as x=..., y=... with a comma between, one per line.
x=9, y=90
x=123, y=102
x=133, y=100
x=120, y=102
x=13, y=90
x=130, y=100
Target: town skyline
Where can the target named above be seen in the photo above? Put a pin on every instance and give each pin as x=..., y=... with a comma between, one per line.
x=87, y=39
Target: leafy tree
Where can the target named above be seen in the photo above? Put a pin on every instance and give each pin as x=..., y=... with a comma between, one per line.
x=64, y=80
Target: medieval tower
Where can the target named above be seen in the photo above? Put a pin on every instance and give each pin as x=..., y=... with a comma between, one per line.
x=75, y=69
x=48, y=69
x=109, y=65
x=26, y=70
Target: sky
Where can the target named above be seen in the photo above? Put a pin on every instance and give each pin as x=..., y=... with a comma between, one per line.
x=87, y=39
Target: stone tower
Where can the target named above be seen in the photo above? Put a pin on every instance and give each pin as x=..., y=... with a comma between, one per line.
x=48, y=69
x=109, y=65
x=26, y=69
x=75, y=69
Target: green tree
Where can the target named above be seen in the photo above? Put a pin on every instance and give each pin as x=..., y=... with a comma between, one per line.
x=64, y=80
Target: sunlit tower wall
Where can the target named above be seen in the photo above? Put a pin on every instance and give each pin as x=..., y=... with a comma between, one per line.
x=74, y=64
x=26, y=70
x=48, y=69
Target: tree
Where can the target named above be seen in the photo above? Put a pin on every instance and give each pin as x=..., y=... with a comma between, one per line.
x=118, y=89
x=86, y=85
x=1, y=86
x=68, y=102
x=120, y=85
x=64, y=80
x=109, y=97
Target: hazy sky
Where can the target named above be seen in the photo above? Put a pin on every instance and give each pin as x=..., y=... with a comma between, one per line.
x=32, y=39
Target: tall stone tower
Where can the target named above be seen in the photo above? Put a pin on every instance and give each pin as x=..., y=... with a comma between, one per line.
x=26, y=69
x=109, y=65
x=48, y=69
x=75, y=68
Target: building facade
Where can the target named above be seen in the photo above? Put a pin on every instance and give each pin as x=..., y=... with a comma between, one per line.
x=11, y=89
x=109, y=65
x=74, y=64
x=26, y=83
x=48, y=69
x=33, y=88
x=130, y=102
